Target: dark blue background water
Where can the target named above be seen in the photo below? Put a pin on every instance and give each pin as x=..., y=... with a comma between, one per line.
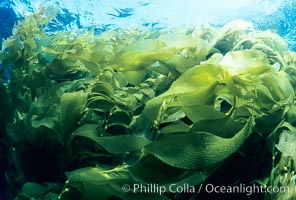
x=7, y=19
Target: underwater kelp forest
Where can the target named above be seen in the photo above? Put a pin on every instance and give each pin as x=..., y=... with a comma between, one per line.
x=190, y=112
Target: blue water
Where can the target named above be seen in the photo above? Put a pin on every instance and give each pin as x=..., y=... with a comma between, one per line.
x=277, y=15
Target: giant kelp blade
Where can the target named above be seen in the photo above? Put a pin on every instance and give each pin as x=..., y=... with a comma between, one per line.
x=117, y=144
x=197, y=150
x=152, y=170
x=97, y=184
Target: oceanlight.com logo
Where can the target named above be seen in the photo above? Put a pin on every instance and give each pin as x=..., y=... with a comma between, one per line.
x=245, y=189
x=154, y=188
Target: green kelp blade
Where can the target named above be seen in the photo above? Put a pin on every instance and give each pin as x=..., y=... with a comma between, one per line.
x=32, y=190
x=135, y=77
x=114, y=144
x=119, y=117
x=197, y=150
x=231, y=33
x=137, y=60
x=178, y=41
x=139, y=54
x=102, y=88
x=175, y=127
x=194, y=87
x=71, y=106
x=95, y=183
x=224, y=127
x=291, y=114
x=286, y=143
x=196, y=78
x=49, y=122
x=121, y=143
x=246, y=61
x=277, y=90
x=100, y=103
x=134, y=64
x=152, y=170
x=198, y=113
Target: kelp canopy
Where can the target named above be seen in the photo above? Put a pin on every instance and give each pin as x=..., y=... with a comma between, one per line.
x=91, y=113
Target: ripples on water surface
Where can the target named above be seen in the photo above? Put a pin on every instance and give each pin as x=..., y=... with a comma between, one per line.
x=277, y=15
